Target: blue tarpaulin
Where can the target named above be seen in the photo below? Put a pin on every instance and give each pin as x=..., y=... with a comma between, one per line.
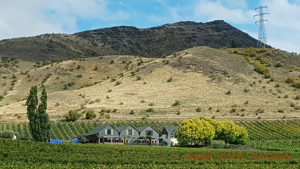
x=74, y=140
x=55, y=141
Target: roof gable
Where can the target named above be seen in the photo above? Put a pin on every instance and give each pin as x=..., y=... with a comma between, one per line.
x=140, y=129
x=98, y=129
x=170, y=129
x=122, y=128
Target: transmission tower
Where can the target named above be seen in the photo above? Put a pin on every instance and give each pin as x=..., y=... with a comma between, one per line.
x=262, y=38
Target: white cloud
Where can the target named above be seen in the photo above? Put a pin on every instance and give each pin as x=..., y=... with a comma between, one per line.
x=283, y=28
x=23, y=18
x=32, y=17
x=215, y=10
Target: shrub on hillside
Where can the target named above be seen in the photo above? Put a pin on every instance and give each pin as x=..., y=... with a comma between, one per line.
x=198, y=109
x=296, y=85
x=228, y=92
x=131, y=112
x=176, y=103
x=90, y=114
x=170, y=79
x=73, y=116
x=260, y=68
x=291, y=80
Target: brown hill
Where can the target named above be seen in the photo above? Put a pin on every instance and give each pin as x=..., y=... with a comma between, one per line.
x=223, y=83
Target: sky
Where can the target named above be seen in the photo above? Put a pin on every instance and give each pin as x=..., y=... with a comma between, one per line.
x=22, y=18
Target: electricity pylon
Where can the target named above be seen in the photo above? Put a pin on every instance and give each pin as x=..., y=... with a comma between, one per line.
x=262, y=38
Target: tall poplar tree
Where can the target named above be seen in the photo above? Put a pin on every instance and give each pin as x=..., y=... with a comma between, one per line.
x=39, y=123
x=32, y=102
x=43, y=118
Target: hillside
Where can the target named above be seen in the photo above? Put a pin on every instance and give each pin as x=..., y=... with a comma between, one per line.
x=124, y=40
x=222, y=83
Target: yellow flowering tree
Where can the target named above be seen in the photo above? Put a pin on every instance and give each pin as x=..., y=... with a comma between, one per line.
x=195, y=132
x=232, y=133
x=216, y=124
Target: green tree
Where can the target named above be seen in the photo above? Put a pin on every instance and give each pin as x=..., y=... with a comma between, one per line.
x=215, y=124
x=73, y=116
x=90, y=114
x=44, y=118
x=32, y=102
x=228, y=131
x=195, y=131
x=232, y=133
x=39, y=123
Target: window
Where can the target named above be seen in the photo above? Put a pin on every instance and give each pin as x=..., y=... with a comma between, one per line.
x=130, y=132
x=108, y=131
x=149, y=133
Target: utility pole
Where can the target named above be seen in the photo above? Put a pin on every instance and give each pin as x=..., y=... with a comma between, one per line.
x=262, y=38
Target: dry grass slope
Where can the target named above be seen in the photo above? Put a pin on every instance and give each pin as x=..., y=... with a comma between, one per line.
x=222, y=84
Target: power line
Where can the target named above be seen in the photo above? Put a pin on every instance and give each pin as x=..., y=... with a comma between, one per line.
x=262, y=38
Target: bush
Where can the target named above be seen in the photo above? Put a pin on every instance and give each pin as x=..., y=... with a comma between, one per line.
x=246, y=90
x=260, y=68
x=198, y=109
x=291, y=80
x=90, y=114
x=131, y=112
x=278, y=64
x=228, y=92
x=151, y=104
x=233, y=110
x=1, y=98
x=296, y=85
x=150, y=110
x=280, y=111
x=73, y=116
x=177, y=103
x=8, y=134
x=259, y=111
x=138, y=78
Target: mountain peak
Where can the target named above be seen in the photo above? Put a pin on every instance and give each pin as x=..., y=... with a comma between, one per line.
x=157, y=41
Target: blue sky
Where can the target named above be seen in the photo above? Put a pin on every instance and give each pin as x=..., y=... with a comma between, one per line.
x=20, y=18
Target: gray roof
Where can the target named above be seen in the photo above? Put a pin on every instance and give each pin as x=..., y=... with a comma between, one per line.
x=171, y=129
x=122, y=128
x=97, y=129
x=140, y=129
